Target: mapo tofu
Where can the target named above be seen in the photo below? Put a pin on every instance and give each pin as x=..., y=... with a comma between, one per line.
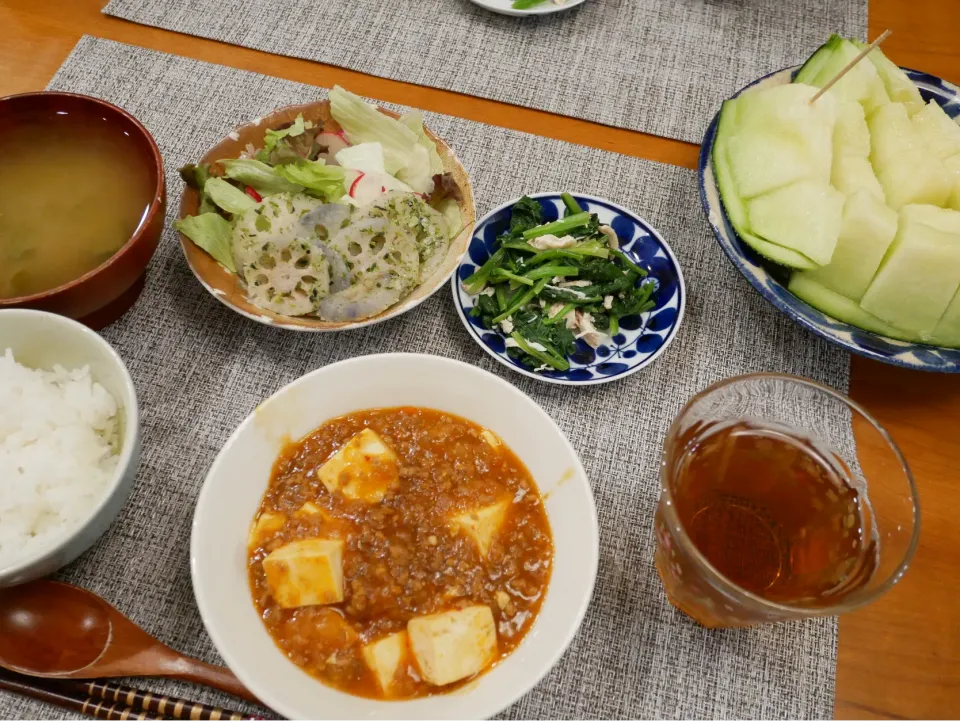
x=399, y=552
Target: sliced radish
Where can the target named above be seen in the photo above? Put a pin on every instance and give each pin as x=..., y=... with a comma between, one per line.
x=334, y=142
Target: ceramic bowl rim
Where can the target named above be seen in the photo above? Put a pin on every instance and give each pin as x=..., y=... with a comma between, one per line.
x=534, y=11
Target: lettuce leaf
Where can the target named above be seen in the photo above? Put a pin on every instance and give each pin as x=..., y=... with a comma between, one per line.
x=322, y=180
x=414, y=121
x=450, y=210
x=228, y=197
x=259, y=176
x=416, y=173
x=363, y=123
x=272, y=137
x=211, y=232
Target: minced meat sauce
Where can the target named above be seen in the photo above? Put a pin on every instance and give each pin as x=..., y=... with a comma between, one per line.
x=402, y=557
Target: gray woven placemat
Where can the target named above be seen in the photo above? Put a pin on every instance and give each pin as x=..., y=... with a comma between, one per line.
x=659, y=66
x=200, y=369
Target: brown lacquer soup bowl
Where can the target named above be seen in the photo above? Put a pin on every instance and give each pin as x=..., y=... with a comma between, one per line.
x=103, y=294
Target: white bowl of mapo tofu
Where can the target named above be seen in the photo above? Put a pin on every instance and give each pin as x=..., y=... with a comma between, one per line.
x=395, y=536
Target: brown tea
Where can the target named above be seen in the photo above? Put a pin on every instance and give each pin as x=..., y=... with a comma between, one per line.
x=775, y=513
x=73, y=189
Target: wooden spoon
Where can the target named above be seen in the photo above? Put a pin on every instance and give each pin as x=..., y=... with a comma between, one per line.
x=56, y=630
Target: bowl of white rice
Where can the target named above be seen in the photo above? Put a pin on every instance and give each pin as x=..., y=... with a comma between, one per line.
x=69, y=441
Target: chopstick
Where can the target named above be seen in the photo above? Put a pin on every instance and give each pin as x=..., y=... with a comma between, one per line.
x=175, y=708
x=64, y=699
x=94, y=699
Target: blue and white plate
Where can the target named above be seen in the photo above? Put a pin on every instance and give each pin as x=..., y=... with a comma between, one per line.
x=770, y=279
x=641, y=338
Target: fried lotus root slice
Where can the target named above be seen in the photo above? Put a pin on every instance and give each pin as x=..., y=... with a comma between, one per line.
x=283, y=269
x=373, y=245
x=369, y=296
x=427, y=226
x=291, y=279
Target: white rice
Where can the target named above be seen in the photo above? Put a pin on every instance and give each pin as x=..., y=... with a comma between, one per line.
x=58, y=452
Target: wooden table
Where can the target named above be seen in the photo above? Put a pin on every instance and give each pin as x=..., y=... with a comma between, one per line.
x=898, y=658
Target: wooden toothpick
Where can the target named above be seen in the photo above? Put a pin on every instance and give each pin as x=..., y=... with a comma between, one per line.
x=863, y=53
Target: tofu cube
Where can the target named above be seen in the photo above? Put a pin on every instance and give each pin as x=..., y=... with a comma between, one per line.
x=453, y=645
x=491, y=438
x=362, y=470
x=266, y=525
x=306, y=573
x=387, y=656
x=482, y=524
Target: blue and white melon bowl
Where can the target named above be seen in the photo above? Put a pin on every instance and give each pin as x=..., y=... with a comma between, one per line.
x=770, y=279
x=641, y=339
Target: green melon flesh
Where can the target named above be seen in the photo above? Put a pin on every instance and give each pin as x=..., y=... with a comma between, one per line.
x=917, y=279
x=785, y=111
x=915, y=177
x=851, y=173
x=891, y=134
x=861, y=83
x=938, y=130
x=947, y=332
x=842, y=308
x=942, y=219
x=851, y=136
x=735, y=209
x=866, y=232
x=953, y=167
x=815, y=62
x=899, y=87
x=761, y=161
x=804, y=217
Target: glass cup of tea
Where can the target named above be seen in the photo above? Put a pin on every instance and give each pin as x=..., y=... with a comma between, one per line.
x=780, y=499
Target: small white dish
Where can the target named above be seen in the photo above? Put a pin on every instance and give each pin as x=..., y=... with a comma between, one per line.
x=505, y=7
x=42, y=340
x=238, y=478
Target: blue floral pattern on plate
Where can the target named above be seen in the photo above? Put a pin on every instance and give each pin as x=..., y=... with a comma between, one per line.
x=770, y=280
x=641, y=338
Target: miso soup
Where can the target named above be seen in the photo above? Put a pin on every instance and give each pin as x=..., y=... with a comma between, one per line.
x=74, y=187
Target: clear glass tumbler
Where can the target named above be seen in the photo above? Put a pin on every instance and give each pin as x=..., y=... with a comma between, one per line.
x=780, y=498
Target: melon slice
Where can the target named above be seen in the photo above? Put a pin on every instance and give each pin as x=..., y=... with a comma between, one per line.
x=785, y=110
x=735, y=209
x=866, y=232
x=917, y=279
x=861, y=83
x=852, y=173
x=842, y=308
x=851, y=136
x=915, y=177
x=764, y=160
x=938, y=130
x=891, y=134
x=900, y=88
x=815, y=62
x=940, y=218
x=804, y=217
x=947, y=332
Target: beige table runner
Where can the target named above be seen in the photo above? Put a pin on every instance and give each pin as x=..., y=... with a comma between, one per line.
x=658, y=66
